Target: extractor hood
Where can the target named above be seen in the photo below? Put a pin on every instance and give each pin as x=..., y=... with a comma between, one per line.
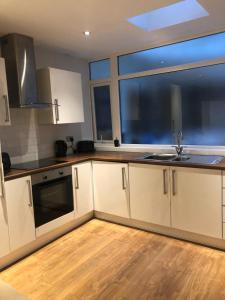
x=18, y=52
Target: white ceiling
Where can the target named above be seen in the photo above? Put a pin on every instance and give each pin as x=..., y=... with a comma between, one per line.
x=59, y=24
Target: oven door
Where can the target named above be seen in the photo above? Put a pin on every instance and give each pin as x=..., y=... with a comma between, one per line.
x=52, y=200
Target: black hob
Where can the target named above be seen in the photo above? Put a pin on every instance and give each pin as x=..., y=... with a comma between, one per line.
x=36, y=164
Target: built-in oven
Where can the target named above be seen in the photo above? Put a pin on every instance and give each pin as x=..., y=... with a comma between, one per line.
x=52, y=198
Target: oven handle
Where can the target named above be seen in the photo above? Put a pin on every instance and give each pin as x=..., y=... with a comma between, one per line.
x=76, y=179
x=30, y=204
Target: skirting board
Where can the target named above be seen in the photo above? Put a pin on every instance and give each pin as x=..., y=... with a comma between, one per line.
x=167, y=231
x=43, y=240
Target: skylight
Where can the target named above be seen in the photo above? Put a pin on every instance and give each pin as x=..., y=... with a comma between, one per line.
x=181, y=12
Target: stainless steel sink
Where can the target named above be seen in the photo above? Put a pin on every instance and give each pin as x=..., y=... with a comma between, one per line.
x=189, y=159
x=164, y=156
x=182, y=158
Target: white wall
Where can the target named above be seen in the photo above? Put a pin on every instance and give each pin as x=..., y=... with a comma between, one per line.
x=26, y=140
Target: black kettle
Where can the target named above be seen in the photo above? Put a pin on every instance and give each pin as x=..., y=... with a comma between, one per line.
x=60, y=148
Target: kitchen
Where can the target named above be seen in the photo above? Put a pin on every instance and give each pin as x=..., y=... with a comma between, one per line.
x=112, y=142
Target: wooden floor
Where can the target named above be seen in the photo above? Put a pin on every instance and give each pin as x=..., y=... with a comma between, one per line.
x=101, y=260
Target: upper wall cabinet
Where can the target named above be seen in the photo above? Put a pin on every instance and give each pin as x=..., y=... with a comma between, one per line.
x=4, y=100
x=63, y=91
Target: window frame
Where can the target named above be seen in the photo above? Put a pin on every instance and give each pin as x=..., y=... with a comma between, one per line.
x=115, y=103
x=93, y=85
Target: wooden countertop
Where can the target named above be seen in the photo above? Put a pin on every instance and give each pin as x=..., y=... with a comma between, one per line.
x=111, y=156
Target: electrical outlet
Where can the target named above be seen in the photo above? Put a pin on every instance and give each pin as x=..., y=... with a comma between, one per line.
x=70, y=139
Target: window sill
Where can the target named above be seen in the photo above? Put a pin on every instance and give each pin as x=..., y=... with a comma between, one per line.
x=205, y=150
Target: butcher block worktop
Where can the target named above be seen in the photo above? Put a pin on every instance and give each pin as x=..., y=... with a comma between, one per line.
x=111, y=156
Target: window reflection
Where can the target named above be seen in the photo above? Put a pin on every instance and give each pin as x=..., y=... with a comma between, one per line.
x=154, y=108
x=100, y=69
x=103, y=112
x=199, y=49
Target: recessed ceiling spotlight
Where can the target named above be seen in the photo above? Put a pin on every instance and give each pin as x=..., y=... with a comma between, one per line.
x=87, y=33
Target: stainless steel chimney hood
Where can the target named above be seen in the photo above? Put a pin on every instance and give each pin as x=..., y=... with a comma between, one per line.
x=18, y=51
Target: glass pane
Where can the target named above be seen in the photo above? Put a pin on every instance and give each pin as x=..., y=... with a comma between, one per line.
x=100, y=69
x=205, y=48
x=154, y=108
x=103, y=112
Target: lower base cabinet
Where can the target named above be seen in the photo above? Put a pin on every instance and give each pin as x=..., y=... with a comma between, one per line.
x=196, y=201
x=188, y=199
x=20, y=212
x=150, y=193
x=111, y=188
x=82, y=188
x=4, y=233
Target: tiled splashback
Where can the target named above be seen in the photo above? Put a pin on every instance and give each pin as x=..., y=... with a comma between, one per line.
x=25, y=140
x=20, y=139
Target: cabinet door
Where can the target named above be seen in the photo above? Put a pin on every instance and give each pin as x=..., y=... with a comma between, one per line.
x=196, y=201
x=111, y=188
x=150, y=193
x=20, y=212
x=83, y=188
x=4, y=101
x=4, y=233
x=66, y=89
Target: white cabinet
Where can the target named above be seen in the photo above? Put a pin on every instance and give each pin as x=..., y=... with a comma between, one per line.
x=83, y=188
x=150, y=193
x=20, y=212
x=4, y=233
x=4, y=100
x=63, y=90
x=196, y=201
x=111, y=188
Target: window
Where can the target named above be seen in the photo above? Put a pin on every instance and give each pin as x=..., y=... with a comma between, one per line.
x=155, y=105
x=102, y=107
x=153, y=108
x=192, y=51
x=100, y=69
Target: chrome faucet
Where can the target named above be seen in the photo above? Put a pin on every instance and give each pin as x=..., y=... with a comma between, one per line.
x=179, y=148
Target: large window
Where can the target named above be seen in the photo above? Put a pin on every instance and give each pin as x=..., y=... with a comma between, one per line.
x=160, y=91
x=153, y=108
x=192, y=51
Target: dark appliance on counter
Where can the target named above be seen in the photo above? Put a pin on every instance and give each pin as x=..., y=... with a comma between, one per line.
x=6, y=162
x=52, y=196
x=85, y=147
x=60, y=148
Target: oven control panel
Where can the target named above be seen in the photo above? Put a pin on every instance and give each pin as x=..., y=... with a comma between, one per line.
x=51, y=175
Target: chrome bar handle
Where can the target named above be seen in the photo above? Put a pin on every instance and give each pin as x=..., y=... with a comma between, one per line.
x=7, y=119
x=30, y=204
x=165, y=191
x=2, y=183
x=173, y=182
x=77, y=179
x=124, y=178
x=56, y=110
x=3, y=189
